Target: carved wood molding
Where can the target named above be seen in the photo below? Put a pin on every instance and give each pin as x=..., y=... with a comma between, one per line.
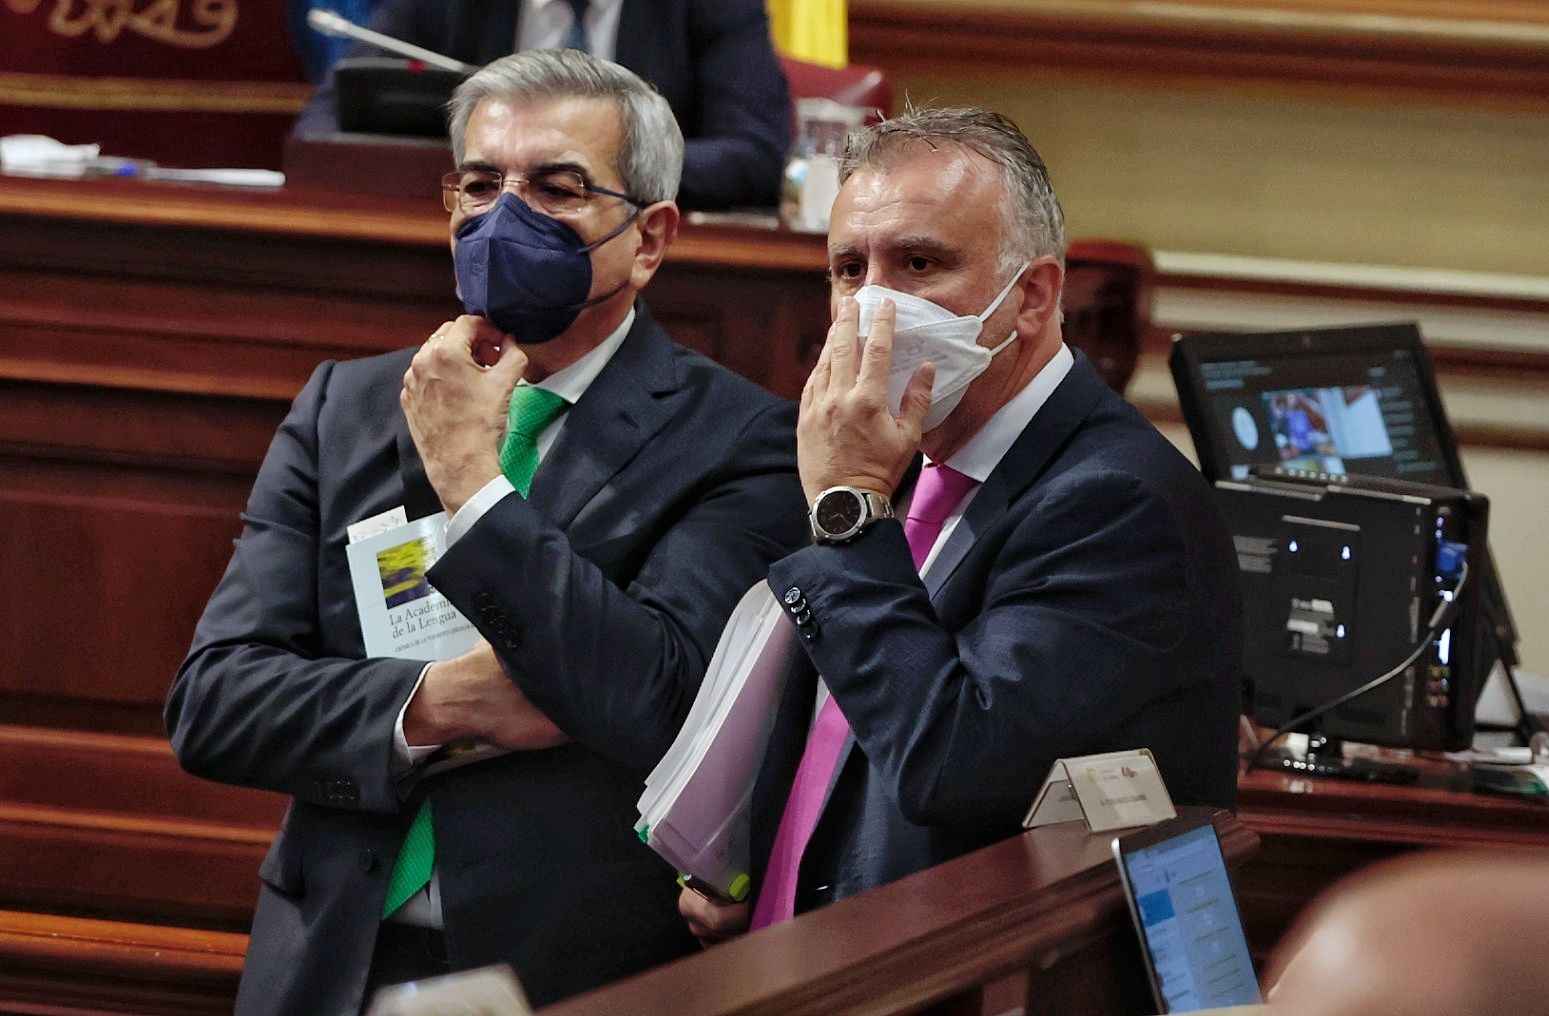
x=1493, y=52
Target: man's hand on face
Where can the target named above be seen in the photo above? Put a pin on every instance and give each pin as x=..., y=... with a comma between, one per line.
x=455, y=395
x=846, y=435
x=470, y=698
x=712, y=922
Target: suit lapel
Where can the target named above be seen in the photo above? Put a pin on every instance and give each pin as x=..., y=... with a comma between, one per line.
x=620, y=411
x=1024, y=462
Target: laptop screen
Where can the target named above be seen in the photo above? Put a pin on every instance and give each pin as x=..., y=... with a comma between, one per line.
x=1361, y=399
x=1356, y=400
x=1189, y=925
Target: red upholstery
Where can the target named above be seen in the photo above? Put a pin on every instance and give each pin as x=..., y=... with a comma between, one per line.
x=1108, y=290
x=855, y=85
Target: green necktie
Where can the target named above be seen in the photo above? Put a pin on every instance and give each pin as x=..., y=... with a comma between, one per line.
x=531, y=410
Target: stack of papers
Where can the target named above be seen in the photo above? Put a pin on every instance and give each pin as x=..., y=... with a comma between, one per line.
x=694, y=811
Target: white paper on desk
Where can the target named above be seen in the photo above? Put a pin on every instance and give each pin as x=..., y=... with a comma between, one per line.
x=694, y=811
x=486, y=991
x=37, y=154
x=401, y=614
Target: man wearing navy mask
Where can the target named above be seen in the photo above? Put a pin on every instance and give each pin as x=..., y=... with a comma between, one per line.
x=610, y=496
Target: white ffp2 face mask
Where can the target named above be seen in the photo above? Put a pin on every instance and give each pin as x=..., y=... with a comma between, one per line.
x=927, y=332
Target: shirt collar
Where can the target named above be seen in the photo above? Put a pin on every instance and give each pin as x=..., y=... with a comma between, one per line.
x=982, y=452
x=572, y=382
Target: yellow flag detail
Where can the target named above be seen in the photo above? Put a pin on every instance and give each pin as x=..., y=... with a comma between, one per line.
x=816, y=31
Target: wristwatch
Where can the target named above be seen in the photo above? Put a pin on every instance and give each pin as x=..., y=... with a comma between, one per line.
x=843, y=513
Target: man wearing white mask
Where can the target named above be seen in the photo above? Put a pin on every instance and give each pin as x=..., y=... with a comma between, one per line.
x=1048, y=579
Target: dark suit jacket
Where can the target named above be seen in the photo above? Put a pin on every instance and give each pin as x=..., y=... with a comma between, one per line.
x=1086, y=602
x=669, y=491
x=711, y=59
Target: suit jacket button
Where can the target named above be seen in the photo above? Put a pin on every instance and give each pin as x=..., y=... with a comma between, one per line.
x=792, y=595
x=804, y=618
x=367, y=860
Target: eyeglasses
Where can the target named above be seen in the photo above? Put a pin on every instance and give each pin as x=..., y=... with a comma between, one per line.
x=556, y=191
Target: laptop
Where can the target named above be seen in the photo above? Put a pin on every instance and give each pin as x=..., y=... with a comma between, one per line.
x=1180, y=896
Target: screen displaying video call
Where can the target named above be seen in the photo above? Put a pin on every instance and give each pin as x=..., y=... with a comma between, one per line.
x=1334, y=413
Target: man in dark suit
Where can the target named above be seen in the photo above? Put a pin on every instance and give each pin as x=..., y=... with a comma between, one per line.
x=1057, y=582
x=663, y=488
x=712, y=59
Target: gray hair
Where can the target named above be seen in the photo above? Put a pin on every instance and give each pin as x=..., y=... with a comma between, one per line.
x=650, y=155
x=1035, y=225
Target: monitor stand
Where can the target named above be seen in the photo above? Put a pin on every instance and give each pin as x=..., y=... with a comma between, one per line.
x=1325, y=757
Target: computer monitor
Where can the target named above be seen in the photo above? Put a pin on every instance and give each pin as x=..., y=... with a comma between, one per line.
x=393, y=96
x=1358, y=399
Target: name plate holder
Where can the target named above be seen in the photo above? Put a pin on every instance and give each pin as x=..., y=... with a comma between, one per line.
x=1114, y=790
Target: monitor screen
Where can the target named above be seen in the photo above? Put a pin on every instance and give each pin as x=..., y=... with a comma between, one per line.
x=1182, y=900
x=1343, y=401
x=1359, y=399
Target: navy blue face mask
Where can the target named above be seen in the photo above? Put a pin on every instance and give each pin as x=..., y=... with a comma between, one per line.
x=529, y=274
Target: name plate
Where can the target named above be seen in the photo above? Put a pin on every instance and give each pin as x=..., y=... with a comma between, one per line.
x=1114, y=790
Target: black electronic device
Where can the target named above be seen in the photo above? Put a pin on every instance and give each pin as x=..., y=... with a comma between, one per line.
x=389, y=95
x=1360, y=399
x=1345, y=579
x=1180, y=896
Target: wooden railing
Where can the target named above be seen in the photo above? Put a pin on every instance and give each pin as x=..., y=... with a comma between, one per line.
x=1034, y=924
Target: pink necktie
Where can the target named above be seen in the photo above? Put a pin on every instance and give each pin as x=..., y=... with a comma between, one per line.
x=939, y=490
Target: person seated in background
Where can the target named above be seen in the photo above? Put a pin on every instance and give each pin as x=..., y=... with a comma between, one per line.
x=611, y=495
x=1054, y=580
x=712, y=59
x=1432, y=934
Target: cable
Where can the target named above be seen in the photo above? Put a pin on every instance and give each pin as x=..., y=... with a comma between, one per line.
x=1443, y=616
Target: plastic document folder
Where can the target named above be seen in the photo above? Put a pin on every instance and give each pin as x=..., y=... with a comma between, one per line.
x=694, y=811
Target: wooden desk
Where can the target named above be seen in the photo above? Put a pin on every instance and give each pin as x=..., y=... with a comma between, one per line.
x=1037, y=921
x=1316, y=831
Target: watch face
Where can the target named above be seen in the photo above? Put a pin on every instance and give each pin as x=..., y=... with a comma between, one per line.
x=838, y=512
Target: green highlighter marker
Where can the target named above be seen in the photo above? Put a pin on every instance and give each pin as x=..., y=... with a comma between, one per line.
x=739, y=889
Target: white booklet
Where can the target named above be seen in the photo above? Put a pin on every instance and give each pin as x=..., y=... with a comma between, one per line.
x=401, y=614
x=694, y=811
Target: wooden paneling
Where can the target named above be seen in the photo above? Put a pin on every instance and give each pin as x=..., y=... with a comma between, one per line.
x=1037, y=921
x=60, y=966
x=1316, y=831
x=1485, y=53
x=107, y=825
